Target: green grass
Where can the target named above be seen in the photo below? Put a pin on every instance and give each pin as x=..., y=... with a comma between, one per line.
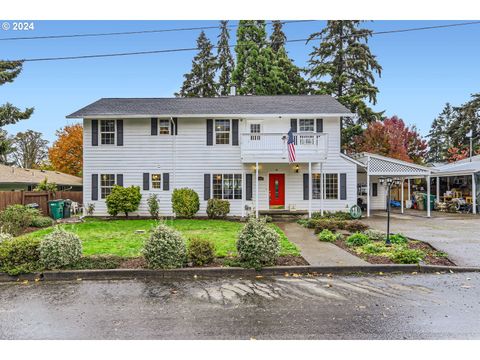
x=118, y=237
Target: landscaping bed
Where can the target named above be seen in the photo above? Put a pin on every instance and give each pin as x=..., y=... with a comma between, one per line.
x=356, y=238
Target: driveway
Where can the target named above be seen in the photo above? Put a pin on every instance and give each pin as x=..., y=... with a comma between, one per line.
x=457, y=235
x=422, y=306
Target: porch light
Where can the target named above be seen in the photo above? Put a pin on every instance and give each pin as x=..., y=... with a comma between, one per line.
x=297, y=168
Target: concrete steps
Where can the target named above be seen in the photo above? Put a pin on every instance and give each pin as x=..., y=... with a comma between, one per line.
x=284, y=215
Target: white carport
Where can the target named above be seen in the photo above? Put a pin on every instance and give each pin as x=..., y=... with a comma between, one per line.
x=375, y=166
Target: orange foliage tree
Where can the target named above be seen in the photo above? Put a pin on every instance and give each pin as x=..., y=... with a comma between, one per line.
x=66, y=153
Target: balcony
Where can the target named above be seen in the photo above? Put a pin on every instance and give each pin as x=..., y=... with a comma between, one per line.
x=272, y=147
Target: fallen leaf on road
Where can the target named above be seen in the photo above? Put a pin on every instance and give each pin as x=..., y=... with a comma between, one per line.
x=465, y=286
x=286, y=274
x=259, y=276
x=79, y=279
x=328, y=285
x=25, y=282
x=414, y=273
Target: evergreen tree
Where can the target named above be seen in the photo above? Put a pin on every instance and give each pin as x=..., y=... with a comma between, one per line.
x=10, y=114
x=466, y=119
x=200, y=81
x=278, y=37
x=224, y=60
x=344, y=67
x=439, y=140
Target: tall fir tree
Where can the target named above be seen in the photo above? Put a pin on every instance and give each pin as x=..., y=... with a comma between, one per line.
x=225, y=61
x=343, y=66
x=467, y=118
x=278, y=37
x=200, y=81
x=438, y=139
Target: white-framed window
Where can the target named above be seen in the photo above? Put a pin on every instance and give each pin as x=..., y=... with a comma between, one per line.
x=255, y=130
x=107, y=132
x=331, y=186
x=164, y=127
x=306, y=125
x=316, y=188
x=222, y=129
x=107, y=182
x=156, y=180
x=227, y=186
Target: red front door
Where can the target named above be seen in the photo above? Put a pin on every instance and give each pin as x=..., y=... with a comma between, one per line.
x=277, y=190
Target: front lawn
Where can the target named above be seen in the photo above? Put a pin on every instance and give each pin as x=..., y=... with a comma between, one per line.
x=120, y=237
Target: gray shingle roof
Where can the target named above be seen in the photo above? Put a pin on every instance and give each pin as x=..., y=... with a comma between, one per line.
x=10, y=174
x=228, y=105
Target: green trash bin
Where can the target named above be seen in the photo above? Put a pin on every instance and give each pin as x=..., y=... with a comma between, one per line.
x=432, y=201
x=56, y=209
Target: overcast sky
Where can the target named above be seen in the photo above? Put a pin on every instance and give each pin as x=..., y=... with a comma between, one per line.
x=421, y=70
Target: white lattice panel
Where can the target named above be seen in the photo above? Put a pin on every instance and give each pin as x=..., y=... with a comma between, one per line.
x=385, y=167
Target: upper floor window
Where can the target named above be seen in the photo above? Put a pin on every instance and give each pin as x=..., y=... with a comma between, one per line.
x=227, y=186
x=254, y=130
x=107, y=132
x=306, y=125
x=107, y=181
x=156, y=181
x=222, y=132
x=164, y=127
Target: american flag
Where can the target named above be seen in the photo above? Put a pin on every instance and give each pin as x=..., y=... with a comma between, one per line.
x=291, y=147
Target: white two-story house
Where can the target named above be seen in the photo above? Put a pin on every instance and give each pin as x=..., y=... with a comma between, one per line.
x=232, y=148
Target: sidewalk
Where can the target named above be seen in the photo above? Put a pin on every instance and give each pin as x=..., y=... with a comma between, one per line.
x=318, y=253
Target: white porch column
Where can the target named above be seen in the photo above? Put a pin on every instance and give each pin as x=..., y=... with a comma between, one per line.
x=474, y=195
x=402, y=195
x=437, y=190
x=321, y=189
x=428, y=197
x=244, y=193
x=368, y=193
x=256, y=189
x=408, y=190
x=310, y=190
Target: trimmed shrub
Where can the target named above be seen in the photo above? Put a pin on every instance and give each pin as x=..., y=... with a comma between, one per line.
x=165, y=248
x=16, y=218
x=357, y=239
x=258, y=244
x=153, y=206
x=123, y=200
x=60, y=249
x=403, y=255
x=355, y=226
x=218, y=208
x=398, y=239
x=329, y=224
x=338, y=215
x=41, y=222
x=19, y=255
x=375, y=235
x=328, y=236
x=185, y=202
x=201, y=251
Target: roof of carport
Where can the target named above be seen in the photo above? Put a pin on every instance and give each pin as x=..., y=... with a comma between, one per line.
x=386, y=166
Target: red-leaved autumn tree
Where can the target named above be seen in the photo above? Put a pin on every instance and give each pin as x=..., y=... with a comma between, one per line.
x=392, y=138
x=66, y=153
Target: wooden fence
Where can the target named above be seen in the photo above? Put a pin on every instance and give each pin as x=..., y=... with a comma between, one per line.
x=40, y=197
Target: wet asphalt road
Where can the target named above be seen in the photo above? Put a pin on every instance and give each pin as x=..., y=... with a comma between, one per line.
x=423, y=306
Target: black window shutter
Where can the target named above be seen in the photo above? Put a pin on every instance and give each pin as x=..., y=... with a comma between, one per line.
x=120, y=179
x=206, y=186
x=94, y=186
x=166, y=181
x=293, y=125
x=175, y=125
x=374, y=189
x=319, y=125
x=146, y=181
x=209, y=132
x=235, y=132
x=94, y=132
x=119, y=132
x=153, y=126
x=343, y=186
x=306, y=189
x=249, y=186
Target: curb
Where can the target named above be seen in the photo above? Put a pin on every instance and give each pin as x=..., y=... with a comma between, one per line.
x=218, y=272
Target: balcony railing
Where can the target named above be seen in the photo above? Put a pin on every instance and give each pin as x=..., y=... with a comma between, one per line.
x=309, y=146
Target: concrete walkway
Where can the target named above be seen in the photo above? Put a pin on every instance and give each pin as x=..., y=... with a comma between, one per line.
x=458, y=236
x=318, y=253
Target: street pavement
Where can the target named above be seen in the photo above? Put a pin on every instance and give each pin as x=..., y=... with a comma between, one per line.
x=414, y=306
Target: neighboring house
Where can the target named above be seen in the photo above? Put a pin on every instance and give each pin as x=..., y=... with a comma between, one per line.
x=14, y=178
x=234, y=148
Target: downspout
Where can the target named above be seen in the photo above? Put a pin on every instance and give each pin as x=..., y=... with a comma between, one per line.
x=174, y=131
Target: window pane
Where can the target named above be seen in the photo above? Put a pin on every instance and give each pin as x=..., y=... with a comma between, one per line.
x=228, y=186
x=107, y=132
x=107, y=181
x=237, y=186
x=331, y=186
x=164, y=127
x=316, y=186
x=255, y=129
x=222, y=125
x=156, y=181
x=222, y=132
x=222, y=138
x=307, y=125
x=217, y=186
x=107, y=125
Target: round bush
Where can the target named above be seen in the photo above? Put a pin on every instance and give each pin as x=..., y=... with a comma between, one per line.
x=404, y=255
x=41, y=222
x=19, y=255
x=185, y=202
x=123, y=200
x=60, y=249
x=357, y=239
x=328, y=236
x=201, y=251
x=165, y=248
x=16, y=218
x=258, y=244
x=218, y=208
